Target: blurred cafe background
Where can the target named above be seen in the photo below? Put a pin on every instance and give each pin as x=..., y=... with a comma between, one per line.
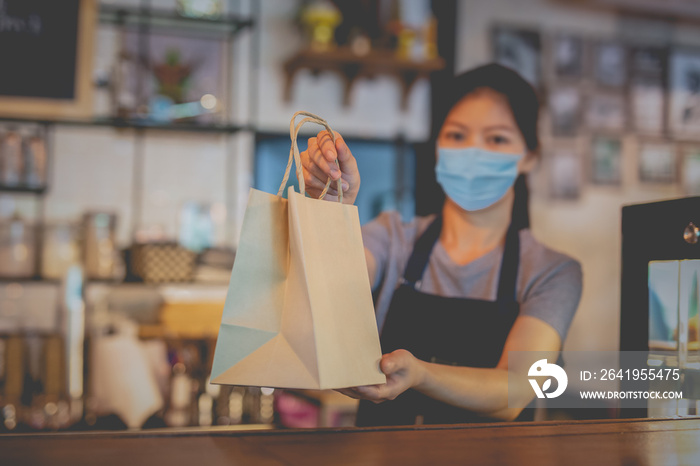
x=132, y=130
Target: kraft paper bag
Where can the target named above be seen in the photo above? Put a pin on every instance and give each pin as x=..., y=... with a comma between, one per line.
x=299, y=311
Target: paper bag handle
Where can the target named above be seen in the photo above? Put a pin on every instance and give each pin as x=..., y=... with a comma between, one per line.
x=296, y=157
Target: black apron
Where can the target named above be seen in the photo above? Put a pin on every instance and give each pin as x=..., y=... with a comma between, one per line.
x=443, y=330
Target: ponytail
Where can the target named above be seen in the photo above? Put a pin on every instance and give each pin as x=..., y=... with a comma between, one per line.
x=521, y=210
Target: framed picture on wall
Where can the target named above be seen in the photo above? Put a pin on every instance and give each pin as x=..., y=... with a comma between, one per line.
x=47, y=60
x=606, y=111
x=658, y=162
x=564, y=171
x=648, y=64
x=609, y=64
x=182, y=78
x=567, y=56
x=684, y=93
x=565, y=110
x=647, y=91
x=690, y=161
x=606, y=160
x=647, y=109
x=519, y=49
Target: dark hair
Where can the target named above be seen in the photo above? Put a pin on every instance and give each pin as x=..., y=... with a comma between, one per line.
x=523, y=102
x=520, y=95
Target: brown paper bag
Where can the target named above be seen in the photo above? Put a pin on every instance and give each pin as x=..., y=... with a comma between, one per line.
x=299, y=311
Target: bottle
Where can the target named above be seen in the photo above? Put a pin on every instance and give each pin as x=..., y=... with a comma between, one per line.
x=179, y=411
x=99, y=245
x=11, y=160
x=17, y=248
x=206, y=406
x=60, y=249
x=35, y=161
x=14, y=382
x=236, y=405
x=267, y=403
x=32, y=395
x=53, y=378
x=73, y=328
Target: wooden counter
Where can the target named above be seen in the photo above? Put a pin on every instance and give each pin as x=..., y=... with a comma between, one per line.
x=642, y=442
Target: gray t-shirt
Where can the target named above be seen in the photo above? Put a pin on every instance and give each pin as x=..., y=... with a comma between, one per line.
x=548, y=284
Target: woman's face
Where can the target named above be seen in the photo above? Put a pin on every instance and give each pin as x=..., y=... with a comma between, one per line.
x=483, y=119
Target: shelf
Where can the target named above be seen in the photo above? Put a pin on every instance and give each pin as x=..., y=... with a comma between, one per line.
x=230, y=24
x=395, y=140
x=162, y=332
x=189, y=287
x=22, y=189
x=671, y=9
x=39, y=280
x=133, y=124
x=351, y=67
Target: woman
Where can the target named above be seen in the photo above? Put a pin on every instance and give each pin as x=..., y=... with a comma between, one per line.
x=459, y=290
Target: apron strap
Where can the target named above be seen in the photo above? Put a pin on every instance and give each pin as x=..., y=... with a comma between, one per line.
x=510, y=263
x=418, y=261
x=421, y=253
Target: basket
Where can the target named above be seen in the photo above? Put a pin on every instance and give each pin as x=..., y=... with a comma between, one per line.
x=163, y=262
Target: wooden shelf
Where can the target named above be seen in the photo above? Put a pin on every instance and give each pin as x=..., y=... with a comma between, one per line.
x=229, y=24
x=352, y=67
x=162, y=332
x=139, y=124
x=22, y=189
x=354, y=137
x=35, y=279
x=683, y=10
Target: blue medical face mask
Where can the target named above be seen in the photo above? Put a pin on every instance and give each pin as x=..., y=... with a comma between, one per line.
x=475, y=178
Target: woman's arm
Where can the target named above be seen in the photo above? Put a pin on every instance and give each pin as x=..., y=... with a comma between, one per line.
x=484, y=391
x=371, y=267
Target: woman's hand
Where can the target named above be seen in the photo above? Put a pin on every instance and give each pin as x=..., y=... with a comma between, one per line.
x=402, y=370
x=318, y=163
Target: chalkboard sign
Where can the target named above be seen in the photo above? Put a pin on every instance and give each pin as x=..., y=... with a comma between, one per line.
x=46, y=55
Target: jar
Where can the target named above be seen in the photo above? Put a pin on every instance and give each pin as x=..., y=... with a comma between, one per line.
x=17, y=248
x=60, y=249
x=99, y=245
x=35, y=161
x=11, y=159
